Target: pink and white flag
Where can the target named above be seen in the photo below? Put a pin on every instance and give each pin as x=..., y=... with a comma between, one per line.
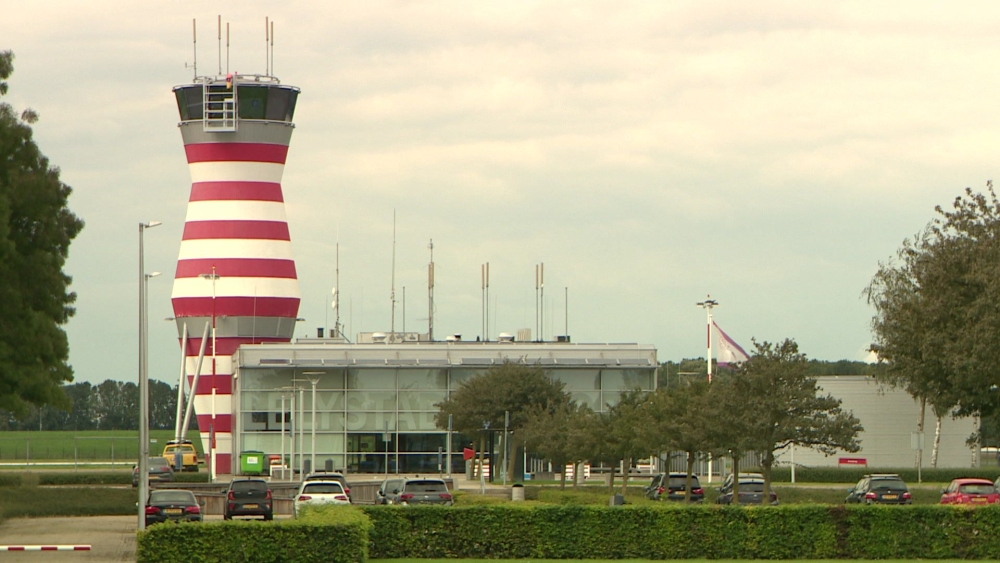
x=729, y=351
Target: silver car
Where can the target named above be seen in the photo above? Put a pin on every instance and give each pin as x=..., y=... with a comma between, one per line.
x=420, y=491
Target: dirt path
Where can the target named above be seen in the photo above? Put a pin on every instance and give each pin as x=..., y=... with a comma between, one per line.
x=112, y=538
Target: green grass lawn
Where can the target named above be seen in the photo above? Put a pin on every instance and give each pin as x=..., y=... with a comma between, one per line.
x=101, y=445
x=38, y=502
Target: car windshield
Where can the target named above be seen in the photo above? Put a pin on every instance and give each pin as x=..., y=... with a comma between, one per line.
x=321, y=488
x=751, y=487
x=681, y=481
x=888, y=484
x=425, y=487
x=977, y=489
x=172, y=496
x=246, y=486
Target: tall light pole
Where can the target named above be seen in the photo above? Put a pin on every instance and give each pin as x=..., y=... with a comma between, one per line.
x=707, y=304
x=143, y=468
x=312, y=427
x=211, y=427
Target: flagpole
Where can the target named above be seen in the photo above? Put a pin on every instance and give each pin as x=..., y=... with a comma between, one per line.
x=707, y=304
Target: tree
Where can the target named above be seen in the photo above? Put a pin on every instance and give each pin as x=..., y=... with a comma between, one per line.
x=936, y=325
x=779, y=405
x=681, y=420
x=480, y=404
x=36, y=228
x=552, y=431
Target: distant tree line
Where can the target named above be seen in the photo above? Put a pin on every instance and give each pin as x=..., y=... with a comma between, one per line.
x=111, y=405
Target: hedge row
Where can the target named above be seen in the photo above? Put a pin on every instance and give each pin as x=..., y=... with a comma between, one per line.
x=523, y=531
x=330, y=534
x=852, y=475
x=677, y=532
x=86, y=478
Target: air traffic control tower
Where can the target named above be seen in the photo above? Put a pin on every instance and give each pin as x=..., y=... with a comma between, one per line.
x=235, y=281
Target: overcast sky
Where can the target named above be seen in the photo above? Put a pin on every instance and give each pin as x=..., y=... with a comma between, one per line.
x=770, y=154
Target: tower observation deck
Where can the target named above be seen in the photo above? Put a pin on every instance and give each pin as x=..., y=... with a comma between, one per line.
x=235, y=271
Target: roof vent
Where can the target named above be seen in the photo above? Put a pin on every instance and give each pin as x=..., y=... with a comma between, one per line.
x=453, y=338
x=378, y=337
x=505, y=337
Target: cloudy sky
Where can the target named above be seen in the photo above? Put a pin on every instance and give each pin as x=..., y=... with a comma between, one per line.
x=770, y=154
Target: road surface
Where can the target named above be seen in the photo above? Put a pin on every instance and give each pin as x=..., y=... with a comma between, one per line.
x=112, y=538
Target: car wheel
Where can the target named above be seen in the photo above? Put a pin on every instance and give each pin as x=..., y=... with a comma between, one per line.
x=268, y=517
x=227, y=517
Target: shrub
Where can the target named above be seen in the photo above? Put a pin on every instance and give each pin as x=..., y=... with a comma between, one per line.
x=330, y=533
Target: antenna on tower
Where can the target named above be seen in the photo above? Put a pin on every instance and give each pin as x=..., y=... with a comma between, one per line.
x=267, y=54
x=272, y=49
x=392, y=295
x=194, y=35
x=227, y=47
x=220, y=43
x=430, y=294
x=336, y=296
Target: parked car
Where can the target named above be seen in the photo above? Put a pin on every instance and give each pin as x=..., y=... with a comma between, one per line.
x=248, y=497
x=158, y=468
x=189, y=456
x=970, y=491
x=319, y=492
x=330, y=476
x=751, y=490
x=420, y=491
x=386, y=488
x=172, y=505
x=673, y=486
x=879, y=488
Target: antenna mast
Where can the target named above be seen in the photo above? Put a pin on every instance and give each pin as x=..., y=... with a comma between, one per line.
x=267, y=55
x=272, y=48
x=430, y=294
x=220, y=43
x=336, y=296
x=541, y=332
x=392, y=295
x=194, y=34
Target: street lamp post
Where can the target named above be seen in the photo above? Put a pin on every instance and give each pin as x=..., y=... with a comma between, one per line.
x=211, y=430
x=143, y=466
x=707, y=304
x=312, y=426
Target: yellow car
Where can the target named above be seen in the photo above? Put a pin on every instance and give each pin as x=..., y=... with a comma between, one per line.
x=186, y=449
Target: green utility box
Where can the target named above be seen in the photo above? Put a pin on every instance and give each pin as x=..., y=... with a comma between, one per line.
x=253, y=463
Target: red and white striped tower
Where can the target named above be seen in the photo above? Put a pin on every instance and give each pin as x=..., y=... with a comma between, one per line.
x=235, y=272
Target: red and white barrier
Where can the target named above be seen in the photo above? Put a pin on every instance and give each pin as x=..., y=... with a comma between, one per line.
x=44, y=548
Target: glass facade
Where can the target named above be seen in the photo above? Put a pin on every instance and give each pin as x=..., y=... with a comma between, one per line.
x=377, y=419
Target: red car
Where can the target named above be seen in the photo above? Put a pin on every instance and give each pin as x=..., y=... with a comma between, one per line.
x=970, y=491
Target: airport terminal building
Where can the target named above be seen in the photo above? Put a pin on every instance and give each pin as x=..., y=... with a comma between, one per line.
x=374, y=403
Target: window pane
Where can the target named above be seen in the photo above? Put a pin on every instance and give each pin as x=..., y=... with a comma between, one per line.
x=424, y=442
x=371, y=378
x=371, y=400
x=423, y=379
x=411, y=421
x=372, y=421
x=579, y=379
x=420, y=401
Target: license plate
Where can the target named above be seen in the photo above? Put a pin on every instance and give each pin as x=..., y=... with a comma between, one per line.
x=249, y=506
x=890, y=497
x=979, y=499
x=174, y=511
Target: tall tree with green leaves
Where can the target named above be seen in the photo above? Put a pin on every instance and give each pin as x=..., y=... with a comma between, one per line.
x=553, y=431
x=36, y=228
x=936, y=325
x=780, y=405
x=481, y=404
x=681, y=419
